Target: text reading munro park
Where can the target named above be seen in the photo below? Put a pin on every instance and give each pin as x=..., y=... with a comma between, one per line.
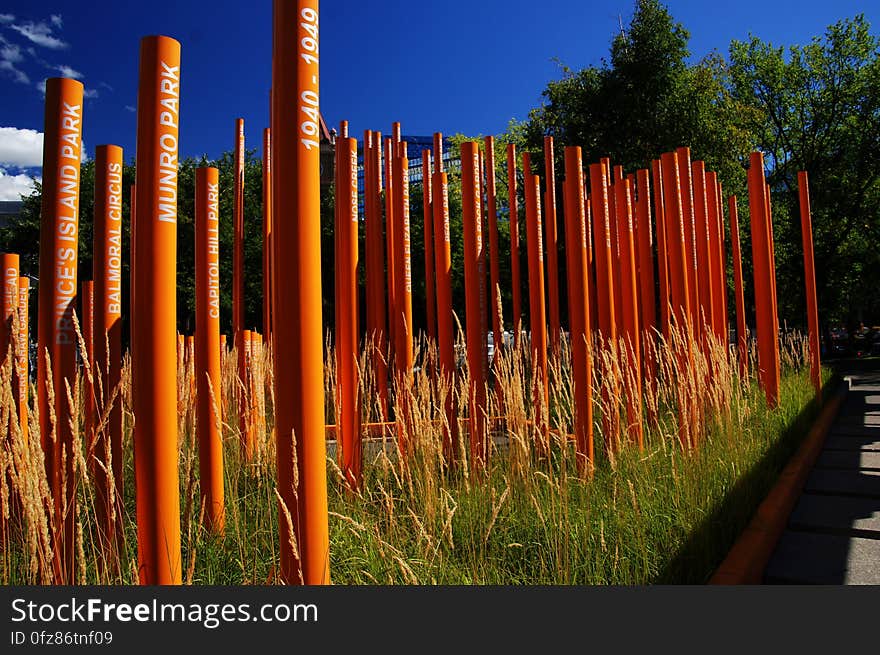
x=620, y=423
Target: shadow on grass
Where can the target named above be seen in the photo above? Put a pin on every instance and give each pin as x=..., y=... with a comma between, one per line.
x=710, y=541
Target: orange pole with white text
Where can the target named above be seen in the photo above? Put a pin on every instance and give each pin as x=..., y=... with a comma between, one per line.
x=579, y=306
x=513, y=212
x=22, y=354
x=107, y=274
x=348, y=419
x=390, y=241
x=810, y=281
x=762, y=258
x=550, y=238
x=242, y=390
x=298, y=344
x=494, y=266
x=154, y=367
x=403, y=332
x=475, y=301
x=428, y=234
x=59, y=251
x=9, y=266
x=209, y=417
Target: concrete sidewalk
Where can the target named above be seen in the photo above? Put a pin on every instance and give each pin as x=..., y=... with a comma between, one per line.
x=833, y=534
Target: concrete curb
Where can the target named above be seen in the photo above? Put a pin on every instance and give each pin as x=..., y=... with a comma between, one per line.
x=746, y=561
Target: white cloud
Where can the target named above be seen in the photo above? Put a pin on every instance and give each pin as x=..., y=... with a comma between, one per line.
x=13, y=187
x=41, y=86
x=39, y=33
x=90, y=93
x=10, y=57
x=67, y=71
x=56, y=20
x=131, y=109
x=6, y=18
x=21, y=148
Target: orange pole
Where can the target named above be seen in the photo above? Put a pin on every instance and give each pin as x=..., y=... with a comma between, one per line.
x=299, y=366
x=810, y=281
x=23, y=363
x=154, y=370
x=679, y=263
x=9, y=265
x=494, y=267
x=348, y=435
x=107, y=361
x=722, y=260
x=762, y=257
x=579, y=305
x=238, y=313
x=552, y=252
x=537, y=310
x=686, y=192
x=475, y=297
x=443, y=267
x=705, y=252
x=630, y=310
x=602, y=251
x=390, y=241
x=375, y=264
x=644, y=231
x=59, y=228
x=403, y=331
x=716, y=267
x=513, y=209
x=428, y=234
x=87, y=328
x=741, y=333
x=267, y=233
x=662, y=252
x=209, y=416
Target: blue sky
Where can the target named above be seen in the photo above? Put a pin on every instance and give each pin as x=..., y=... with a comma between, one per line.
x=449, y=66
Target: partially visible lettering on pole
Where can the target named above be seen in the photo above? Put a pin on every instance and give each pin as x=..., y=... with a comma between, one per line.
x=169, y=99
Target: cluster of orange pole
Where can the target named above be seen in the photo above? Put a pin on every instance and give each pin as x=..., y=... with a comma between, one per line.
x=610, y=244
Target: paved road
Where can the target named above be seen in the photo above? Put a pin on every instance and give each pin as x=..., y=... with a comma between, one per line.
x=833, y=534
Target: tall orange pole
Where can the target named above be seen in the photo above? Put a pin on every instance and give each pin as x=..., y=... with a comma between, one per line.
x=722, y=260
x=741, y=333
x=23, y=363
x=87, y=328
x=686, y=193
x=579, y=305
x=238, y=312
x=475, y=297
x=679, y=263
x=630, y=327
x=391, y=240
x=107, y=273
x=375, y=264
x=494, y=266
x=645, y=243
x=403, y=331
x=428, y=233
x=59, y=228
x=154, y=368
x=662, y=252
x=513, y=210
x=267, y=233
x=762, y=258
x=537, y=309
x=443, y=269
x=810, y=281
x=705, y=252
x=299, y=366
x=209, y=417
x=602, y=251
x=552, y=252
x=9, y=263
x=348, y=422
x=716, y=258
